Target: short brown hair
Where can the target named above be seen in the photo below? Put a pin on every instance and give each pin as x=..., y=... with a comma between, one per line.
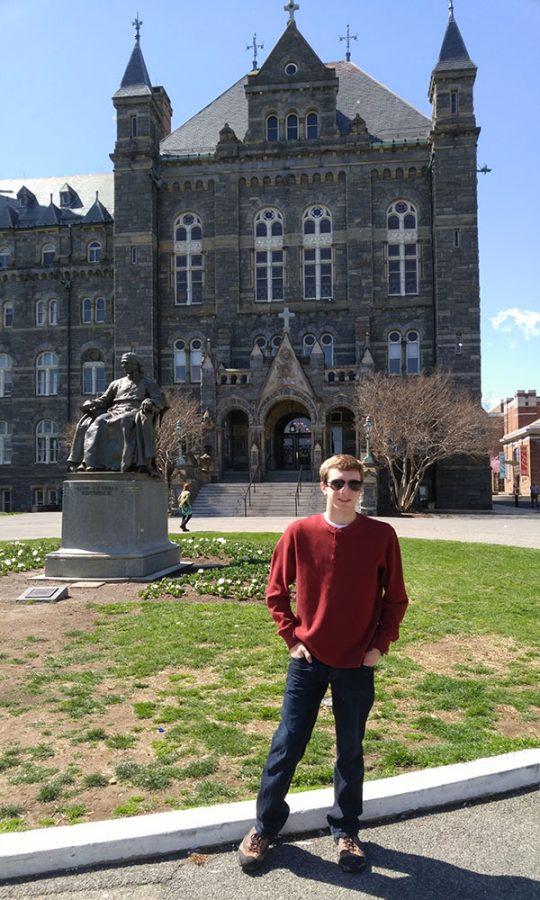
x=343, y=461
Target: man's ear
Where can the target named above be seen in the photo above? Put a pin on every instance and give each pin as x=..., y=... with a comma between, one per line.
x=322, y=486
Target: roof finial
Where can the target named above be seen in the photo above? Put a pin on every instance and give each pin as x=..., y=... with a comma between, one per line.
x=291, y=8
x=254, y=46
x=137, y=26
x=451, y=8
x=349, y=37
x=97, y=195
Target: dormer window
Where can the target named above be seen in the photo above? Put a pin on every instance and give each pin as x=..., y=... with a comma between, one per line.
x=69, y=199
x=291, y=69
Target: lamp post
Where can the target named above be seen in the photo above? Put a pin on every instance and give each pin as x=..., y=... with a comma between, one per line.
x=368, y=503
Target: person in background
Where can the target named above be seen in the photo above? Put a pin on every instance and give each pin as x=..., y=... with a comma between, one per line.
x=184, y=505
x=535, y=491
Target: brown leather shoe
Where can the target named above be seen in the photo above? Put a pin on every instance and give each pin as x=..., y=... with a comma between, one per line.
x=252, y=850
x=351, y=857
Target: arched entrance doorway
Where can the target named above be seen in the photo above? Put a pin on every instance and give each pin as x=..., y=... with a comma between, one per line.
x=235, y=441
x=288, y=437
x=340, y=432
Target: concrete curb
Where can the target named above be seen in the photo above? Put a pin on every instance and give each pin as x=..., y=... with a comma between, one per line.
x=119, y=840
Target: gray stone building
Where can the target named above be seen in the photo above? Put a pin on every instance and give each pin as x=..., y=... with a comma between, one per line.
x=306, y=227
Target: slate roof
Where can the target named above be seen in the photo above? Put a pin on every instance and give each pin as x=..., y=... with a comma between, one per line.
x=41, y=213
x=387, y=116
x=136, y=71
x=454, y=54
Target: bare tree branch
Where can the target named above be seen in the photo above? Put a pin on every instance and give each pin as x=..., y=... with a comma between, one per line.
x=183, y=410
x=418, y=421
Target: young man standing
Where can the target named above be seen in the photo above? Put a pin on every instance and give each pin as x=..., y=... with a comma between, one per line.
x=350, y=600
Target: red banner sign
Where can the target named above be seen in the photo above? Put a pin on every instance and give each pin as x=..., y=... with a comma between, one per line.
x=524, y=460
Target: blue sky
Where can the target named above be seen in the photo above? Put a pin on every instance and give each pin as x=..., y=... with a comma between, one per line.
x=63, y=59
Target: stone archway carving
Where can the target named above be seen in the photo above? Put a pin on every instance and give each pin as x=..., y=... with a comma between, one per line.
x=297, y=396
x=224, y=407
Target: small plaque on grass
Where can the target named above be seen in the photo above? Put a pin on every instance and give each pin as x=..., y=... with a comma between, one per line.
x=43, y=595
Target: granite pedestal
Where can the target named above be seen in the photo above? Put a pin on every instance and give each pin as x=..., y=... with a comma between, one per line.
x=114, y=525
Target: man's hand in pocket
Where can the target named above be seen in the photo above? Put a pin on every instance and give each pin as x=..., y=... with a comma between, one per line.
x=299, y=651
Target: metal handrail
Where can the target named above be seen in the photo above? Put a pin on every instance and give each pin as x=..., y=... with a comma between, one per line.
x=298, y=491
x=247, y=495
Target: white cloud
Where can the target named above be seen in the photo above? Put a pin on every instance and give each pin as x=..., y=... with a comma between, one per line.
x=525, y=320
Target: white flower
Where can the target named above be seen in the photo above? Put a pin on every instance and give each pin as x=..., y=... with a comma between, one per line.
x=8, y=562
x=221, y=541
x=200, y=571
x=35, y=552
x=221, y=581
x=259, y=552
x=20, y=553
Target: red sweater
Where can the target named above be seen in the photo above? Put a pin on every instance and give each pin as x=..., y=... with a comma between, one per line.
x=350, y=595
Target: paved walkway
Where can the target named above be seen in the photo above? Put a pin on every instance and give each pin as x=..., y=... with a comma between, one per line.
x=503, y=525
x=488, y=850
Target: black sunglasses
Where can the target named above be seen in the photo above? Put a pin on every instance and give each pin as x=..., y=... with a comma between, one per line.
x=338, y=483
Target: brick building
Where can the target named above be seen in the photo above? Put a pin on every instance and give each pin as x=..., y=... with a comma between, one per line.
x=304, y=228
x=521, y=442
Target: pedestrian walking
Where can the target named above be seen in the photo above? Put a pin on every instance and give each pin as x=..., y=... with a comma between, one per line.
x=184, y=505
x=350, y=600
x=535, y=491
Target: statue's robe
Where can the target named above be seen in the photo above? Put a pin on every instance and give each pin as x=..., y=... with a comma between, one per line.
x=115, y=434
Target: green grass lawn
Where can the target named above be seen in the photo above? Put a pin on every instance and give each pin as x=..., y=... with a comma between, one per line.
x=175, y=700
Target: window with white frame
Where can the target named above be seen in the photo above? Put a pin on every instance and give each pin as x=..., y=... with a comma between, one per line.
x=7, y=315
x=261, y=342
x=275, y=343
x=412, y=351
x=327, y=344
x=45, y=496
x=53, y=312
x=402, y=235
x=272, y=128
x=93, y=377
x=94, y=252
x=292, y=127
x=86, y=311
x=189, y=262
x=269, y=255
x=312, y=126
x=6, y=376
x=93, y=310
x=317, y=239
x=4, y=257
x=5, y=499
x=5, y=443
x=180, y=361
x=47, y=374
x=46, y=441
x=195, y=361
x=48, y=254
x=394, y=353
x=308, y=342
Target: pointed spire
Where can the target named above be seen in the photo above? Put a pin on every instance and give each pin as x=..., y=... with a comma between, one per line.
x=51, y=214
x=98, y=212
x=454, y=54
x=136, y=72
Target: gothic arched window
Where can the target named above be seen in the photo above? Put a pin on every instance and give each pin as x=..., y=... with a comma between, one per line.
x=48, y=253
x=308, y=343
x=412, y=349
x=189, y=262
x=195, y=361
x=402, y=236
x=47, y=374
x=7, y=314
x=327, y=344
x=272, y=128
x=93, y=373
x=292, y=127
x=94, y=252
x=312, y=126
x=179, y=361
x=317, y=237
x=269, y=255
x=394, y=353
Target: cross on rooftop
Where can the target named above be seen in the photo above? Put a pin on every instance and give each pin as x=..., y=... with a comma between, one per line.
x=451, y=8
x=349, y=37
x=291, y=8
x=137, y=26
x=286, y=315
x=255, y=46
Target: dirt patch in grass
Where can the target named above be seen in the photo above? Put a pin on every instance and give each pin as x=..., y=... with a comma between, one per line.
x=441, y=657
x=511, y=724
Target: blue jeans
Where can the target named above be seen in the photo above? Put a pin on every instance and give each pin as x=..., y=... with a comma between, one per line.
x=352, y=698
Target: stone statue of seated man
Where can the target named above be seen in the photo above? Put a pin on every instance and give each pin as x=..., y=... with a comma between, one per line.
x=117, y=430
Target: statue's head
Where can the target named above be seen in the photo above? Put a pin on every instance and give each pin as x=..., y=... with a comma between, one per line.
x=131, y=363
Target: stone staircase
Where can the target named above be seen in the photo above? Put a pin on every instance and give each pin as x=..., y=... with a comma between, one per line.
x=270, y=498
